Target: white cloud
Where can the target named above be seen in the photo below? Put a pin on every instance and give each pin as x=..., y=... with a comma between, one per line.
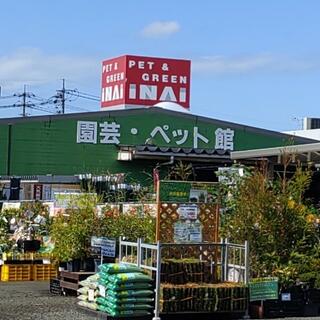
x=160, y=29
x=33, y=67
x=247, y=64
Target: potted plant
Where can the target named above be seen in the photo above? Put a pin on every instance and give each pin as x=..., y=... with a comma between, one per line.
x=72, y=229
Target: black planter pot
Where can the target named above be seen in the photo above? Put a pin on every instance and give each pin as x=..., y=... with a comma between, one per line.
x=293, y=308
x=311, y=310
x=88, y=265
x=272, y=309
x=31, y=245
x=74, y=265
x=313, y=295
x=63, y=266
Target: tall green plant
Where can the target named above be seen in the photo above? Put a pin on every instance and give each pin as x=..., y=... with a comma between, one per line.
x=132, y=226
x=274, y=218
x=72, y=229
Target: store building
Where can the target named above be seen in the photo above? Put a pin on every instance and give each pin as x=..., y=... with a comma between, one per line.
x=47, y=150
x=144, y=123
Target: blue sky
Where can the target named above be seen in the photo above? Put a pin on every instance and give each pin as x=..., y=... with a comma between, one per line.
x=253, y=62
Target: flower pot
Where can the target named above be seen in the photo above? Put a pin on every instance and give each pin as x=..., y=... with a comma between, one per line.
x=88, y=265
x=313, y=295
x=293, y=308
x=311, y=310
x=62, y=266
x=272, y=309
x=74, y=265
x=31, y=245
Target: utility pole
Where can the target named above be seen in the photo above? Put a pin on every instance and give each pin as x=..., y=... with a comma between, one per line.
x=24, y=101
x=63, y=96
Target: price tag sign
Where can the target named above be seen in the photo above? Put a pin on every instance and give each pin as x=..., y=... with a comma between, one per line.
x=91, y=295
x=102, y=291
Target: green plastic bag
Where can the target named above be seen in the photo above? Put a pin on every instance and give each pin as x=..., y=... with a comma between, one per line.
x=123, y=313
x=123, y=307
x=129, y=293
x=121, y=278
x=128, y=286
x=111, y=268
x=127, y=300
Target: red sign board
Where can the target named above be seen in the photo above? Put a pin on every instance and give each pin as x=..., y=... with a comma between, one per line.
x=145, y=81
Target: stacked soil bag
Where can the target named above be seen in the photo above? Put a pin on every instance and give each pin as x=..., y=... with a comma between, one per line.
x=124, y=290
x=88, y=292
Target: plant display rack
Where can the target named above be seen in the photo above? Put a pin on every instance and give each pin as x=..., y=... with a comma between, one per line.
x=196, y=259
x=25, y=258
x=27, y=272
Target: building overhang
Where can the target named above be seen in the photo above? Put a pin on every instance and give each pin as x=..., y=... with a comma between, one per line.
x=43, y=179
x=305, y=153
x=150, y=152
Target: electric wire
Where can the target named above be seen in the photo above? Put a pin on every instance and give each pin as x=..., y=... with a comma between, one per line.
x=51, y=104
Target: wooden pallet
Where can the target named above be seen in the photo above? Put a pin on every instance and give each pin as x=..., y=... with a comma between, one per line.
x=44, y=272
x=69, y=281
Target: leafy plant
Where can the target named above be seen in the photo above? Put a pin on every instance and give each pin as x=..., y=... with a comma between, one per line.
x=276, y=220
x=31, y=221
x=180, y=171
x=132, y=226
x=72, y=229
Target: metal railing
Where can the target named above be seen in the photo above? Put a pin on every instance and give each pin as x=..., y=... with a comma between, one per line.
x=230, y=257
x=234, y=261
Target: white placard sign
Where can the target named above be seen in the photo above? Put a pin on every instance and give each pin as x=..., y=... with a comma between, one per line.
x=108, y=248
x=188, y=211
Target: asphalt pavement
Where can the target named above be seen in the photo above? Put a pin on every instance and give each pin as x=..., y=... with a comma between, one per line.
x=32, y=300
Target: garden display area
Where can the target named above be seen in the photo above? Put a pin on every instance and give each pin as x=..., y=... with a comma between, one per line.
x=245, y=244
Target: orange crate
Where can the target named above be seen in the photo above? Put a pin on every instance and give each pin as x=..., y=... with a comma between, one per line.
x=44, y=272
x=16, y=272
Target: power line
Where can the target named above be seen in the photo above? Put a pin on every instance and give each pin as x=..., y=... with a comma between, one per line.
x=59, y=101
x=11, y=106
x=7, y=97
x=41, y=109
x=70, y=106
x=84, y=96
x=88, y=94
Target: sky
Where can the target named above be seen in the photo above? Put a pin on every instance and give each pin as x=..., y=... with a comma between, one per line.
x=253, y=62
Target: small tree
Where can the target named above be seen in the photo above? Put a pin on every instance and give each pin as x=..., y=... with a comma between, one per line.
x=72, y=229
x=275, y=219
x=132, y=226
